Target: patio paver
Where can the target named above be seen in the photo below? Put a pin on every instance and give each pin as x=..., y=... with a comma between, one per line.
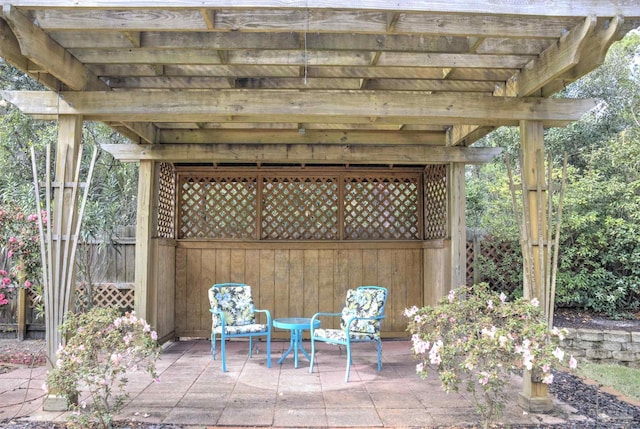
x=193, y=391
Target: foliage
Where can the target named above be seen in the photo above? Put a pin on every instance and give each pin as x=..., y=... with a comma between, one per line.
x=20, y=237
x=113, y=193
x=599, y=267
x=476, y=338
x=600, y=264
x=101, y=348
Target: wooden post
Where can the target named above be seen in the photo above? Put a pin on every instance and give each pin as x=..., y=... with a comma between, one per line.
x=458, y=225
x=144, y=280
x=535, y=395
x=62, y=224
x=22, y=313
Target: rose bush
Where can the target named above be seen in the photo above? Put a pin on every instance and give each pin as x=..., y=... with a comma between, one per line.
x=102, y=347
x=476, y=338
x=20, y=238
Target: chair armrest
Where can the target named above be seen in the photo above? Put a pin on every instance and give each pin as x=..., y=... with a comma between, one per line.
x=223, y=322
x=267, y=312
x=317, y=316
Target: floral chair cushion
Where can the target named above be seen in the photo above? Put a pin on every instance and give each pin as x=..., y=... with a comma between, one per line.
x=363, y=303
x=236, y=302
x=339, y=335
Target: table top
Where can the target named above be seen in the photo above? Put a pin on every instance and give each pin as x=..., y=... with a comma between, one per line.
x=295, y=323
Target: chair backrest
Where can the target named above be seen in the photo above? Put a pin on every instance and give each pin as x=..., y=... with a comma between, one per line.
x=364, y=301
x=235, y=301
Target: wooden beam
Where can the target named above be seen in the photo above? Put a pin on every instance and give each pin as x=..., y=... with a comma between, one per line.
x=597, y=44
x=555, y=60
x=309, y=136
x=11, y=53
x=36, y=45
x=465, y=135
x=302, y=154
x=199, y=106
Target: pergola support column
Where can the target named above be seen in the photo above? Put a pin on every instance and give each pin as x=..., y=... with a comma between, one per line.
x=535, y=395
x=144, y=279
x=61, y=287
x=458, y=225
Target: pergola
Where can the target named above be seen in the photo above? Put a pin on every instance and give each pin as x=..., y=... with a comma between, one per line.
x=263, y=104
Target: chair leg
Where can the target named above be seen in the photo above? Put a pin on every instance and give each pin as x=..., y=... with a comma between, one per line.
x=313, y=354
x=224, y=355
x=250, y=347
x=346, y=378
x=213, y=346
x=379, y=355
x=268, y=350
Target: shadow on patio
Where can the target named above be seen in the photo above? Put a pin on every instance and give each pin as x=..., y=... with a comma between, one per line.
x=194, y=391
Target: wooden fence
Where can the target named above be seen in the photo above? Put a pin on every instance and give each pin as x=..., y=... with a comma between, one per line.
x=113, y=279
x=111, y=273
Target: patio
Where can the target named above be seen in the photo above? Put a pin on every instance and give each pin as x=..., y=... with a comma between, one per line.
x=194, y=391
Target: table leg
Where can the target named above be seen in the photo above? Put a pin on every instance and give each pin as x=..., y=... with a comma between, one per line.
x=291, y=346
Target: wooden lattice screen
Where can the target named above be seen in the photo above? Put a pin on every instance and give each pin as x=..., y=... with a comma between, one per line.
x=302, y=205
x=166, y=200
x=382, y=208
x=435, y=202
x=300, y=208
x=107, y=295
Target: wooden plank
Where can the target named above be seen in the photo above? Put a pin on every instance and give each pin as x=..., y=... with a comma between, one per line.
x=369, y=267
x=487, y=7
x=208, y=276
x=238, y=264
x=199, y=106
x=309, y=136
x=267, y=269
x=296, y=283
x=281, y=286
x=193, y=296
x=181, y=290
x=279, y=153
x=311, y=286
x=326, y=281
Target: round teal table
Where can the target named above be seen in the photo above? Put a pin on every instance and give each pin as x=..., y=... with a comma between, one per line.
x=296, y=325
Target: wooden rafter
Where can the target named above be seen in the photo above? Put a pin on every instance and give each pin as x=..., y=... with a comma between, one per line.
x=301, y=154
x=38, y=47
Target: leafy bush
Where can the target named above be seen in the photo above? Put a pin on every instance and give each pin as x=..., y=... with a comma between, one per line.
x=476, y=338
x=20, y=238
x=101, y=348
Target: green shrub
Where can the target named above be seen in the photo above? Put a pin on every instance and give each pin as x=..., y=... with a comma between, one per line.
x=101, y=348
x=476, y=338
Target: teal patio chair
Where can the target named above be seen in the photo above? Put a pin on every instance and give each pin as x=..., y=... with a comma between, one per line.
x=360, y=321
x=233, y=316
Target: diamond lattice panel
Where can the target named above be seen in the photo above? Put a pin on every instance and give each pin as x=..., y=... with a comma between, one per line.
x=166, y=200
x=217, y=207
x=381, y=208
x=297, y=208
x=435, y=202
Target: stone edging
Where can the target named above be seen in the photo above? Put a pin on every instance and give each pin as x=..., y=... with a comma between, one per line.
x=594, y=345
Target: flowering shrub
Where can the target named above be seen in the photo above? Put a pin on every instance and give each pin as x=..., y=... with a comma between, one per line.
x=21, y=240
x=101, y=348
x=475, y=337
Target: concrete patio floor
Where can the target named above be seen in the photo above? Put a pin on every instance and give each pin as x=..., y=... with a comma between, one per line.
x=194, y=392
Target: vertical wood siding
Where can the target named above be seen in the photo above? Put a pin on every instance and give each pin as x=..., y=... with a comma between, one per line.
x=296, y=279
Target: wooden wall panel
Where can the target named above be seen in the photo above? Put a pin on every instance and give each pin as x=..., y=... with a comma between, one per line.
x=296, y=279
x=165, y=289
